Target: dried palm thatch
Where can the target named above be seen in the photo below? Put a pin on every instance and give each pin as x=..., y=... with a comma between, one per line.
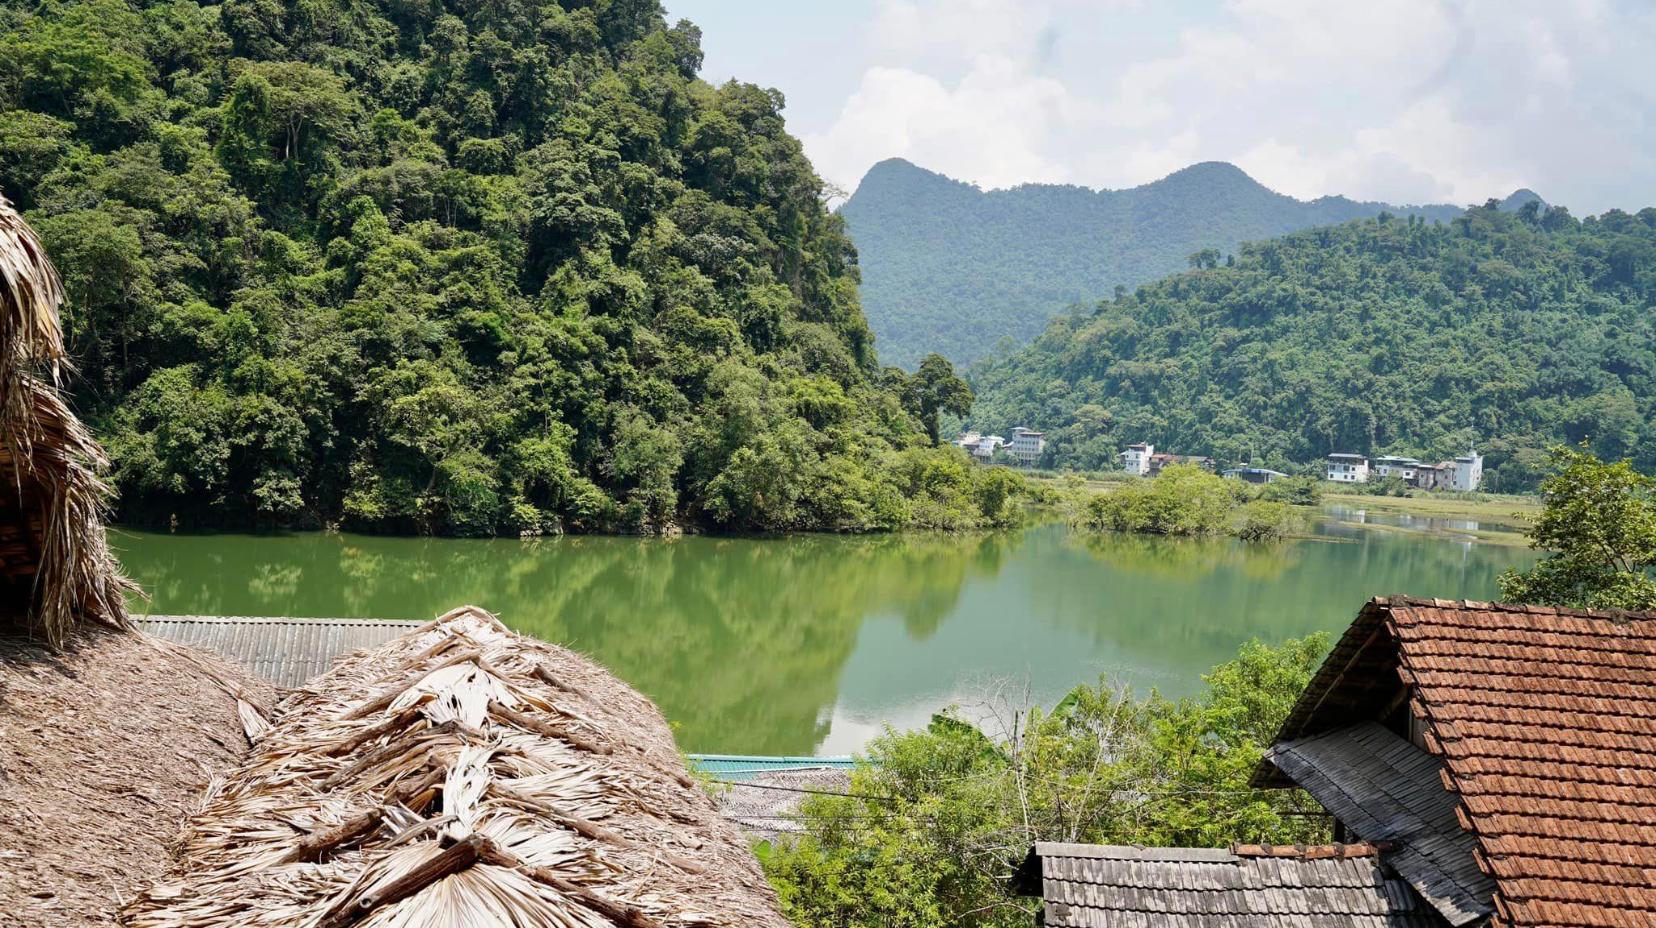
x=461, y=775
x=31, y=338
x=54, y=557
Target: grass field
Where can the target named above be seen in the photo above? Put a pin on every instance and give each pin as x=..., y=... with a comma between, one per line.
x=1495, y=507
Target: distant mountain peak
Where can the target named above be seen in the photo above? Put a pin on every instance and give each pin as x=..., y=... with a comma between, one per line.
x=1515, y=201
x=950, y=267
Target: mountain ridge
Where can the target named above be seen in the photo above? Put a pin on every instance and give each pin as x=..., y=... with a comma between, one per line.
x=950, y=267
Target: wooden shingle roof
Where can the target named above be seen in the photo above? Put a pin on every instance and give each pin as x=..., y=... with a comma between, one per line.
x=1389, y=792
x=1545, y=720
x=1110, y=886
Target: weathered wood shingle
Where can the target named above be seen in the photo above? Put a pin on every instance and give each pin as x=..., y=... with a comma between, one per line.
x=1387, y=790
x=1111, y=886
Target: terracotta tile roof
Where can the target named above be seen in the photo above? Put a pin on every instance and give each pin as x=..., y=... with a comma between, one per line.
x=1546, y=723
x=1326, y=886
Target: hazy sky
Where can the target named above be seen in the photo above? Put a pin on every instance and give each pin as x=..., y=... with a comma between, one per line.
x=1401, y=100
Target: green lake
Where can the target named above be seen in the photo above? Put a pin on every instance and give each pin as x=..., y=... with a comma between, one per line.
x=811, y=644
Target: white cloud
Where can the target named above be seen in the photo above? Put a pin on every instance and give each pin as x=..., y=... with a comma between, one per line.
x=990, y=127
x=1412, y=101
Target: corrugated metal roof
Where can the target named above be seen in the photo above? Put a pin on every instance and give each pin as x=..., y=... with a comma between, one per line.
x=1110, y=886
x=739, y=767
x=287, y=652
x=1387, y=790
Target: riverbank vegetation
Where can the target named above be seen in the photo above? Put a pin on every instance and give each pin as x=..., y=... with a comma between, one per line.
x=937, y=818
x=474, y=269
x=1599, y=524
x=1509, y=330
x=1187, y=500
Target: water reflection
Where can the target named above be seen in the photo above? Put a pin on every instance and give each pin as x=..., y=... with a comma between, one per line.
x=792, y=645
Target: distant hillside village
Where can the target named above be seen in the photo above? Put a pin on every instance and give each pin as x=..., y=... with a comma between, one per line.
x=1025, y=448
x=1463, y=474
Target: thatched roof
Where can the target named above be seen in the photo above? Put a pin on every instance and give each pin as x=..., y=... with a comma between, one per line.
x=461, y=775
x=106, y=747
x=53, y=555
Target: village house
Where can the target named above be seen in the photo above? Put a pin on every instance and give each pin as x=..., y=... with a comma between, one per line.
x=982, y=447
x=1347, y=468
x=1136, y=459
x=1484, y=765
x=1161, y=460
x=1027, y=445
x=1403, y=468
x=1467, y=472
x=1145, y=461
x=1253, y=474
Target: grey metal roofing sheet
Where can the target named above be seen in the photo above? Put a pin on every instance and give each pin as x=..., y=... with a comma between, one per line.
x=287, y=652
x=1387, y=790
x=1104, y=886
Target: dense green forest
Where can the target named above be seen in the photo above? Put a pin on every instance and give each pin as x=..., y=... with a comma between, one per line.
x=1509, y=330
x=954, y=269
x=452, y=267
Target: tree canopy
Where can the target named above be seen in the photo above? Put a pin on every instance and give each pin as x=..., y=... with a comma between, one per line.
x=1511, y=331
x=1599, y=525
x=450, y=267
x=937, y=818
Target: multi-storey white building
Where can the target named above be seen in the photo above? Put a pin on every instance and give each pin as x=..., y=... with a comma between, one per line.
x=1348, y=468
x=1136, y=459
x=1027, y=445
x=1405, y=468
x=1468, y=473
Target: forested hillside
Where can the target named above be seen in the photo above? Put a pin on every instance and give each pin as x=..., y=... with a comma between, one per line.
x=954, y=269
x=454, y=267
x=1510, y=330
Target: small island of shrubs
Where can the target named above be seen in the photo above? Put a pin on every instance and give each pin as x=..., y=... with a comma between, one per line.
x=1187, y=500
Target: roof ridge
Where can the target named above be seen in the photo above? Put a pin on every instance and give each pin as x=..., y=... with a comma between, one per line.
x=1474, y=605
x=1313, y=851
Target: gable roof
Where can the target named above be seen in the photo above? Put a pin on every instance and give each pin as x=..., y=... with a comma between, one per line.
x=461, y=775
x=1104, y=886
x=1546, y=723
x=1387, y=791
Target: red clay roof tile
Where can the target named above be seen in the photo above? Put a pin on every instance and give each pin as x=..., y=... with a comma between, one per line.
x=1546, y=720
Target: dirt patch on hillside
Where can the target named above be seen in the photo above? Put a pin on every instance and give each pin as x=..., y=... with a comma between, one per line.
x=105, y=747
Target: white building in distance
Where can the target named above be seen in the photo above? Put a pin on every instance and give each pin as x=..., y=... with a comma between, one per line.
x=1405, y=468
x=1136, y=459
x=1027, y=445
x=1468, y=473
x=1348, y=468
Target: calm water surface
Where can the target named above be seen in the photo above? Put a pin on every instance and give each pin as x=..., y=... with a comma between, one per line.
x=812, y=644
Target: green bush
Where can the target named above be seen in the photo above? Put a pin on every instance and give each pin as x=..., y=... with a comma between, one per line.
x=1265, y=520
x=938, y=817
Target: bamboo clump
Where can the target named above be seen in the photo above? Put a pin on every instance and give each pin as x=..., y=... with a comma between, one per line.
x=52, y=503
x=442, y=781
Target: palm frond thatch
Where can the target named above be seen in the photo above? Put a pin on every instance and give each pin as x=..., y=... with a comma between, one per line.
x=461, y=775
x=31, y=336
x=54, y=557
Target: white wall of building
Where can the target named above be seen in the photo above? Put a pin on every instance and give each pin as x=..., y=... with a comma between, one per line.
x=1136, y=459
x=1348, y=470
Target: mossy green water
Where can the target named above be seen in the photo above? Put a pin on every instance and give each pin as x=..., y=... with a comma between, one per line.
x=810, y=643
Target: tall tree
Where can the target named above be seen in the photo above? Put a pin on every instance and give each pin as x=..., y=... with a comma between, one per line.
x=935, y=389
x=1599, y=524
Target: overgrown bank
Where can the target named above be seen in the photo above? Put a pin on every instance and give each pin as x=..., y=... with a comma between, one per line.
x=459, y=268
x=1187, y=500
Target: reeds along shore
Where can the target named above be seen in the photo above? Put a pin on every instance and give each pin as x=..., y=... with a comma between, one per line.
x=54, y=557
x=461, y=775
